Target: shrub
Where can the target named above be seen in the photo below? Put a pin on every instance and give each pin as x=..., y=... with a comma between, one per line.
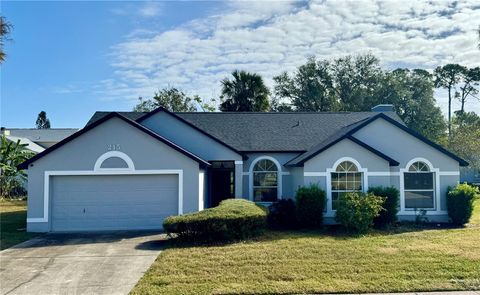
x=460, y=203
x=391, y=197
x=310, y=205
x=357, y=210
x=282, y=214
x=232, y=219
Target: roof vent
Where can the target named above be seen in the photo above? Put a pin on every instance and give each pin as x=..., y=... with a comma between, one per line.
x=383, y=108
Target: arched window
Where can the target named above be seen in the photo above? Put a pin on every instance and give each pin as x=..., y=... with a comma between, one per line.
x=265, y=181
x=114, y=160
x=346, y=178
x=419, y=186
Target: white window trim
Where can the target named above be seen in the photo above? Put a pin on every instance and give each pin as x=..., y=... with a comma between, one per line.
x=114, y=154
x=104, y=171
x=436, y=190
x=399, y=174
x=279, y=176
x=330, y=212
x=201, y=190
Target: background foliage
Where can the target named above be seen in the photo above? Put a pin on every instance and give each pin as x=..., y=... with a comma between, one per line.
x=12, y=179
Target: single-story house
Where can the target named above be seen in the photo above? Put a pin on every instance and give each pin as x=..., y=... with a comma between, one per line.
x=130, y=170
x=37, y=140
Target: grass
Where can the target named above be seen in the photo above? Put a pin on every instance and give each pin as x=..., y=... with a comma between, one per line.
x=476, y=213
x=403, y=259
x=13, y=214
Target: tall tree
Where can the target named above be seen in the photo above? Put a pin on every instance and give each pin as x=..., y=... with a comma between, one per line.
x=5, y=30
x=356, y=80
x=448, y=76
x=173, y=100
x=245, y=92
x=469, y=85
x=411, y=93
x=42, y=121
x=465, y=139
x=309, y=89
x=357, y=83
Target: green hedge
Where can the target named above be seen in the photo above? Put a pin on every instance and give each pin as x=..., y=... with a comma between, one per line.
x=391, y=195
x=232, y=219
x=310, y=202
x=356, y=210
x=460, y=203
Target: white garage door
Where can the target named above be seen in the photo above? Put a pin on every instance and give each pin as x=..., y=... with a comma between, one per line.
x=112, y=202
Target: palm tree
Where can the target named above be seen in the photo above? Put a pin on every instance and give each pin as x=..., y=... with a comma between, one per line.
x=11, y=155
x=245, y=92
x=5, y=29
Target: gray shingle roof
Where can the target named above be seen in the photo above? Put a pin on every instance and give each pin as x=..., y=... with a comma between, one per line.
x=292, y=131
x=342, y=133
x=42, y=135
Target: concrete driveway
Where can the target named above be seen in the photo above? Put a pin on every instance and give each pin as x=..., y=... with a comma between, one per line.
x=102, y=263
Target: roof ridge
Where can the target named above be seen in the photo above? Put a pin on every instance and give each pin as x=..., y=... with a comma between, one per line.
x=69, y=128
x=274, y=113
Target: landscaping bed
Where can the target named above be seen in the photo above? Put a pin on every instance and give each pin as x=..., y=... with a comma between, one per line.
x=405, y=258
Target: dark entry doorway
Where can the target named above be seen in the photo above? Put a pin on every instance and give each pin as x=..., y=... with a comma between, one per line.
x=222, y=181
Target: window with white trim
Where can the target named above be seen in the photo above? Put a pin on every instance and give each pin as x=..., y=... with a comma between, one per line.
x=114, y=162
x=419, y=186
x=346, y=178
x=265, y=181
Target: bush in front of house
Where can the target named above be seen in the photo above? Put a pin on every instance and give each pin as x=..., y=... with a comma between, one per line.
x=391, y=197
x=356, y=210
x=282, y=214
x=460, y=203
x=231, y=220
x=310, y=202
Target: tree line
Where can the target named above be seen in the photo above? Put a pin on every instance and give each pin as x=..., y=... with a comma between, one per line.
x=352, y=83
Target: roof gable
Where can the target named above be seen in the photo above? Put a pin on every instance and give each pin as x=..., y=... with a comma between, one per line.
x=301, y=159
x=163, y=110
x=348, y=131
x=105, y=118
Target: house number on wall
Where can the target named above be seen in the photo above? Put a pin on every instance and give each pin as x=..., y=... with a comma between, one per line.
x=113, y=147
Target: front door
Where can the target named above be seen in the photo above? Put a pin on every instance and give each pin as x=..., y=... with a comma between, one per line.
x=222, y=181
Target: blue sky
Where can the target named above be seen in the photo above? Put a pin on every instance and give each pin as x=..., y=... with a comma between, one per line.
x=73, y=58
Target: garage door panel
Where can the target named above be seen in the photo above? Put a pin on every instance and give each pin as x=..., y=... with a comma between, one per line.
x=108, y=202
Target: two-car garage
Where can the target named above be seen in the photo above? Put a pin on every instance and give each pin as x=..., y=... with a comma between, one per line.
x=112, y=202
x=114, y=174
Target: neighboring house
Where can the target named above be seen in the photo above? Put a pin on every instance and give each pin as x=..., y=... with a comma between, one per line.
x=37, y=139
x=131, y=170
x=470, y=175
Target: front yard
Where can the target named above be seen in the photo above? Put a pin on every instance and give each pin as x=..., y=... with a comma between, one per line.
x=13, y=214
x=404, y=259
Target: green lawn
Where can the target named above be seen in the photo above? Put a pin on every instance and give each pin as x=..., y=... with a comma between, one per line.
x=476, y=213
x=406, y=259
x=13, y=214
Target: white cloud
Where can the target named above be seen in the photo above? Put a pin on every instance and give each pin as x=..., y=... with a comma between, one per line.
x=272, y=37
x=150, y=9
x=145, y=9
